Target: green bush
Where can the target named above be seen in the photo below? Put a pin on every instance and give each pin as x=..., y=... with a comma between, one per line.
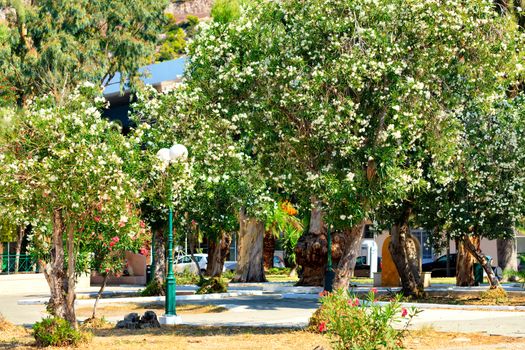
x=355, y=324
x=285, y=271
x=55, y=331
x=154, y=288
x=228, y=275
x=212, y=285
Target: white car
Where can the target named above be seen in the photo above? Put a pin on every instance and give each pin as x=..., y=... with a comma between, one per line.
x=185, y=263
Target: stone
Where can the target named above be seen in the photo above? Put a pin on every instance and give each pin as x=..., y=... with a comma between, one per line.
x=149, y=320
x=134, y=321
x=389, y=274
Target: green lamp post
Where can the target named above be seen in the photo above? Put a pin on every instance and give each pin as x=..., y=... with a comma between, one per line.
x=174, y=154
x=329, y=274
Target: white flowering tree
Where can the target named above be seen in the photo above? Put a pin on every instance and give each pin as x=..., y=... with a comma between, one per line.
x=350, y=106
x=66, y=166
x=486, y=196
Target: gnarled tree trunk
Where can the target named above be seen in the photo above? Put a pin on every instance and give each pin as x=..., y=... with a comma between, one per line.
x=268, y=249
x=350, y=251
x=508, y=255
x=480, y=257
x=250, y=263
x=465, y=264
x=404, y=250
x=311, y=250
x=217, y=252
x=61, y=281
x=18, y=249
x=159, y=256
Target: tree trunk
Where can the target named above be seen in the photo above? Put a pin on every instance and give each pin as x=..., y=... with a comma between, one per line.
x=71, y=278
x=508, y=256
x=19, y=239
x=99, y=294
x=54, y=270
x=480, y=257
x=217, y=252
x=404, y=250
x=351, y=250
x=269, y=249
x=311, y=250
x=159, y=256
x=1, y=256
x=465, y=264
x=250, y=263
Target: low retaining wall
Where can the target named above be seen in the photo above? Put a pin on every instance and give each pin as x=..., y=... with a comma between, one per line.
x=32, y=283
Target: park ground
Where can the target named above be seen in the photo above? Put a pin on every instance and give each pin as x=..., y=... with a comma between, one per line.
x=272, y=320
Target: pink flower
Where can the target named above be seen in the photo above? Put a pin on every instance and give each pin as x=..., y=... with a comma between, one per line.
x=115, y=239
x=353, y=302
x=143, y=251
x=121, y=224
x=142, y=224
x=404, y=312
x=374, y=290
x=323, y=293
x=97, y=218
x=322, y=326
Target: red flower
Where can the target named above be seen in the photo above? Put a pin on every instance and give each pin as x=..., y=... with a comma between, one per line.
x=404, y=312
x=322, y=326
x=142, y=224
x=356, y=302
x=112, y=243
x=374, y=290
x=97, y=218
x=323, y=293
x=143, y=251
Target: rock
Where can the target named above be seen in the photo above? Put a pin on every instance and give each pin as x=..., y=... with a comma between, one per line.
x=134, y=321
x=149, y=320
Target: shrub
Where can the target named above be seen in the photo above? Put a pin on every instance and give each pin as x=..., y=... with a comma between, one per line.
x=228, y=275
x=362, y=324
x=285, y=271
x=154, y=288
x=212, y=285
x=55, y=331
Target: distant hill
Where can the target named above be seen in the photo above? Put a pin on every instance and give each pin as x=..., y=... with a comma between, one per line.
x=182, y=8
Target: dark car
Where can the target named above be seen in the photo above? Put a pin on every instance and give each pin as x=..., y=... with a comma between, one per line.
x=438, y=267
x=362, y=269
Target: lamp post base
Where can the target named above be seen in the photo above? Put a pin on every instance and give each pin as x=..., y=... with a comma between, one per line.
x=170, y=319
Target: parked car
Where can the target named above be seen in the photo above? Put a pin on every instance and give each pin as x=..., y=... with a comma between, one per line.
x=185, y=262
x=439, y=266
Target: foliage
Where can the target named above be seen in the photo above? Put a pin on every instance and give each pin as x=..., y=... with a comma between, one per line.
x=54, y=46
x=173, y=45
x=55, y=331
x=225, y=11
x=355, y=324
x=332, y=106
x=285, y=271
x=85, y=171
x=518, y=274
x=212, y=285
x=486, y=193
x=154, y=288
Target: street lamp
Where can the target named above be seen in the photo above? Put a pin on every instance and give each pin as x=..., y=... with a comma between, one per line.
x=171, y=155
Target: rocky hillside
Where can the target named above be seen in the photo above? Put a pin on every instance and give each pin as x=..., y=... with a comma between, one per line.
x=182, y=8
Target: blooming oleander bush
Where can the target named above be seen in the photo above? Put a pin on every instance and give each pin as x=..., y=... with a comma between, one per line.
x=352, y=323
x=55, y=331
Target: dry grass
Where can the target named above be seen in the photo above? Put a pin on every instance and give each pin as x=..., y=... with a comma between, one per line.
x=198, y=338
x=124, y=309
x=218, y=338
x=427, y=338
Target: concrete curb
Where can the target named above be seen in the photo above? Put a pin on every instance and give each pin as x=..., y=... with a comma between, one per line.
x=216, y=296
x=423, y=305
